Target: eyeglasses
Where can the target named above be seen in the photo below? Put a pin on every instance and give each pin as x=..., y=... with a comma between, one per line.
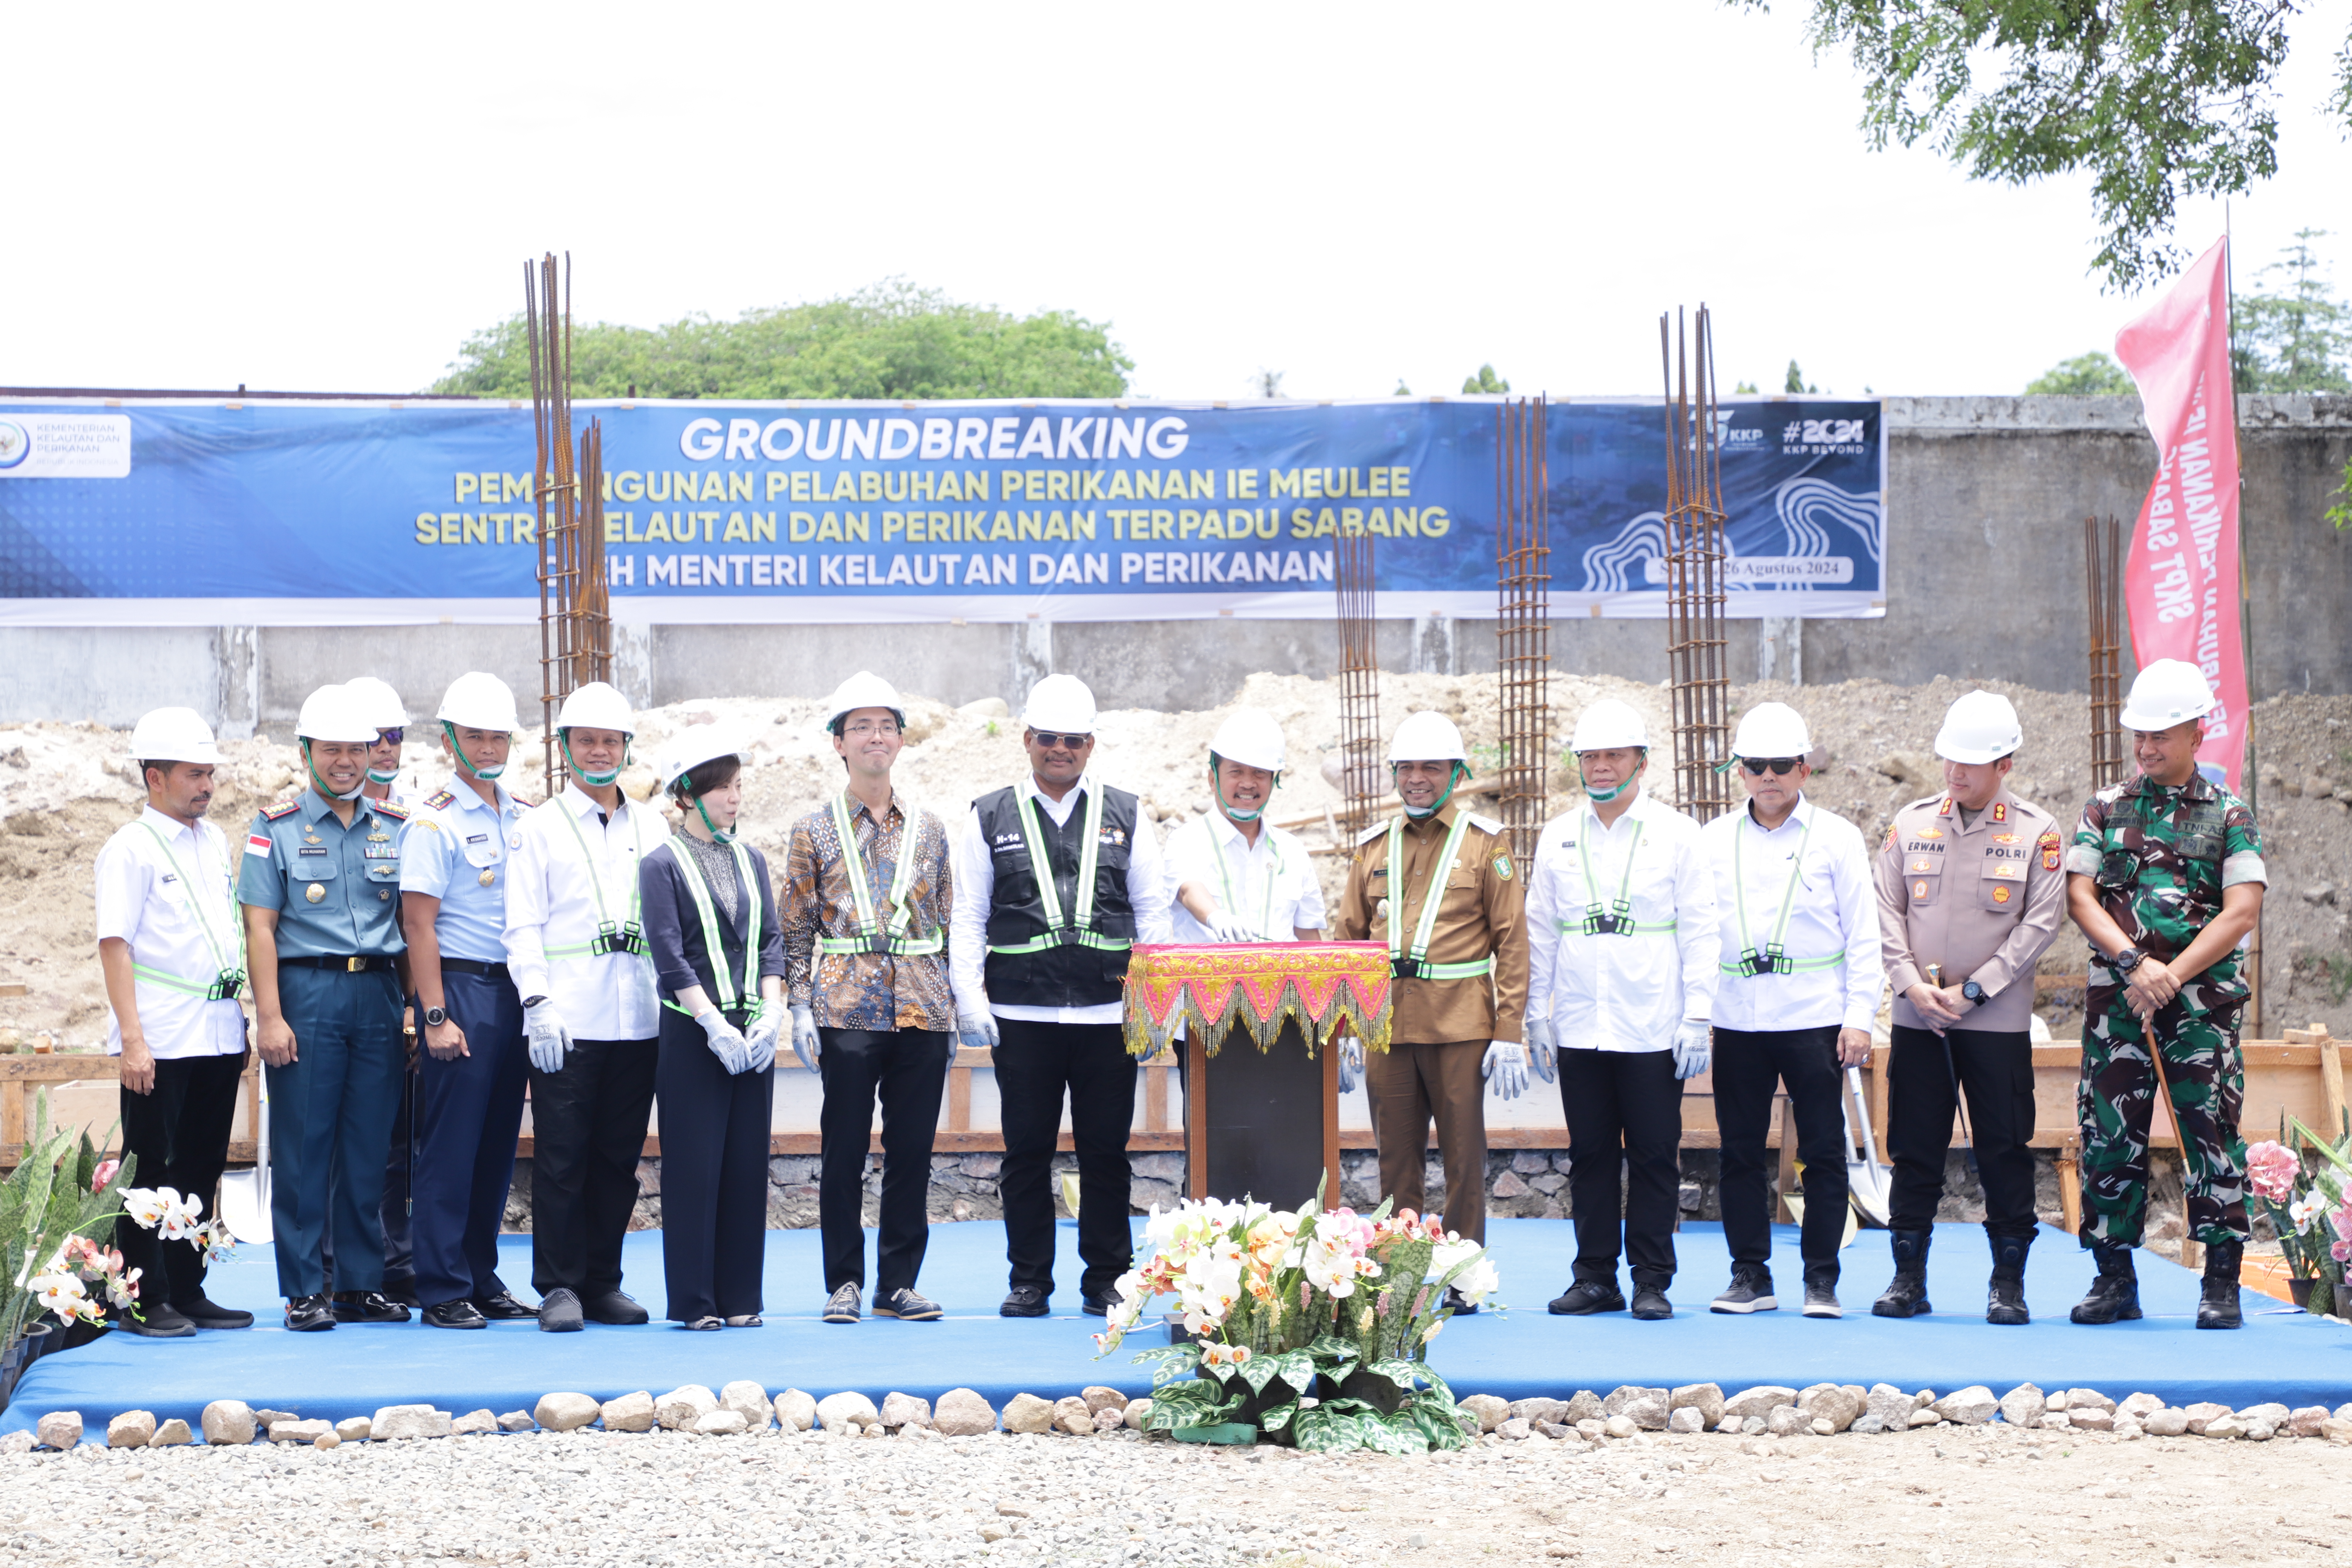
x=389, y=737
x=1051, y=741
x=871, y=727
x=1778, y=766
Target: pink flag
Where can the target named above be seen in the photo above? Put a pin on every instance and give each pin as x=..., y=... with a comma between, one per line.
x=2180, y=585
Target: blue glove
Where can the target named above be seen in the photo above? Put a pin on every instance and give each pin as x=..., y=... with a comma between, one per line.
x=1694, y=1047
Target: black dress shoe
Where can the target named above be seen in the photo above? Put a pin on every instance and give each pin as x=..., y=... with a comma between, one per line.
x=1650, y=1304
x=559, y=1312
x=457, y=1314
x=1097, y=1305
x=160, y=1321
x=614, y=1307
x=1463, y=1305
x=503, y=1307
x=1587, y=1297
x=206, y=1313
x=308, y=1314
x=402, y=1292
x=1023, y=1301
x=367, y=1307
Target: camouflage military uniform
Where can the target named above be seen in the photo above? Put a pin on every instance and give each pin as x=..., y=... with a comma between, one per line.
x=2161, y=857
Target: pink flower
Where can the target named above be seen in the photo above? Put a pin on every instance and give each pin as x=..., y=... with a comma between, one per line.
x=103, y=1175
x=2271, y=1170
x=2342, y=1220
x=2341, y=1251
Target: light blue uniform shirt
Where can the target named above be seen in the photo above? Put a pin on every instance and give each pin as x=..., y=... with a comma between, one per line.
x=335, y=888
x=455, y=850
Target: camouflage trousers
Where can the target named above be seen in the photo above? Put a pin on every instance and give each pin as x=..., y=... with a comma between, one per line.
x=2116, y=1096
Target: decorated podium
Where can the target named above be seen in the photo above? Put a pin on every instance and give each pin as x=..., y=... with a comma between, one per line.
x=1258, y=1022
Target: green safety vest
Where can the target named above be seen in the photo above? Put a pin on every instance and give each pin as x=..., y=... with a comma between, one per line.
x=629, y=937
x=228, y=978
x=872, y=936
x=1774, y=959
x=1617, y=918
x=1415, y=965
x=730, y=999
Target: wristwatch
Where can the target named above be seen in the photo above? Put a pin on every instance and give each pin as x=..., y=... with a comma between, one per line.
x=531, y=1002
x=1971, y=990
x=2126, y=960
x=435, y=1017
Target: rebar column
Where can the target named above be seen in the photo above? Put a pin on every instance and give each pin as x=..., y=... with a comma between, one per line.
x=2102, y=575
x=1361, y=786
x=575, y=627
x=1695, y=569
x=1523, y=618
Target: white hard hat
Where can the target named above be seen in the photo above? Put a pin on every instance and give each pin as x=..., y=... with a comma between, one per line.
x=480, y=701
x=378, y=700
x=684, y=753
x=2169, y=692
x=596, y=706
x=1252, y=738
x=1060, y=704
x=1771, y=729
x=864, y=690
x=1427, y=736
x=1609, y=723
x=173, y=735
x=330, y=713
x=1980, y=727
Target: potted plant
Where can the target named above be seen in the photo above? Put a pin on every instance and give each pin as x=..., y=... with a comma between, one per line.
x=1308, y=1326
x=2308, y=1209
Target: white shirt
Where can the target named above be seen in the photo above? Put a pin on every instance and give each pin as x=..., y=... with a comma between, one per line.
x=1834, y=909
x=178, y=912
x=557, y=899
x=1270, y=884
x=1606, y=991
x=1148, y=894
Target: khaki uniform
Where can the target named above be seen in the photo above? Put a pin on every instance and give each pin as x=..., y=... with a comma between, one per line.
x=1982, y=902
x=1442, y=1027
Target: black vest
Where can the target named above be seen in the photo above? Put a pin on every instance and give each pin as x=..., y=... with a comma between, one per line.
x=1068, y=975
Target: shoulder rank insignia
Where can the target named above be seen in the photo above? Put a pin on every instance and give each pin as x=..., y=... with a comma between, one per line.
x=276, y=813
x=1374, y=831
x=387, y=808
x=1503, y=867
x=1945, y=809
x=2001, y=811
x=440, y=798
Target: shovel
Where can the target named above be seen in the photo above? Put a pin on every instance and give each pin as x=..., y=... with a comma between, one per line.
x=1868, y=1183
x=245, y=1194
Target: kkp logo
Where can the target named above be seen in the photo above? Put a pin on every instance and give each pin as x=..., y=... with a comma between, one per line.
x=16, y=446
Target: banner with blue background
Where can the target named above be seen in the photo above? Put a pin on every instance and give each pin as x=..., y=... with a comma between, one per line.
x=181, y=511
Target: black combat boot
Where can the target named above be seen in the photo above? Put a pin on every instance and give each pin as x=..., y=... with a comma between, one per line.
x=2217, y=1307
x=2115, y=1294
x=1907, y=1296
x=2005, y=1303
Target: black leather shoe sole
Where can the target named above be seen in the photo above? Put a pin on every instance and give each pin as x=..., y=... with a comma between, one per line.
x=453, y=1315
x=378, y=1311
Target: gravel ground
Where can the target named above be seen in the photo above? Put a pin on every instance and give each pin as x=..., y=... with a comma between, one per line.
x=1950, y=1495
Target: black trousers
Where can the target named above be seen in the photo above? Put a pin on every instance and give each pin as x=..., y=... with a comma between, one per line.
x=907, y=1070
x=1996, y=1069
x=1747, y=1063
x=714, y=1188
x=588, y=1130
x=399, y=1179
x=1625, y=1111
x=468, y=1109
x=178, y=1132
x=1036, y=1064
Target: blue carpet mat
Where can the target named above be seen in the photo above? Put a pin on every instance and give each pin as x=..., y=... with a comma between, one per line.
x=2281, y=1354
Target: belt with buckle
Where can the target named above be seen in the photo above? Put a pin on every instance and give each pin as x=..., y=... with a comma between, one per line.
x=351, y=964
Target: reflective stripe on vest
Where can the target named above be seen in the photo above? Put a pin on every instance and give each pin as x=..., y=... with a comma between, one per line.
x=1779, y=963
x=1078, y=932
x=871, y=937
x=730, y=999
x=228, y=979
x=634, y=929
x=1420, y=968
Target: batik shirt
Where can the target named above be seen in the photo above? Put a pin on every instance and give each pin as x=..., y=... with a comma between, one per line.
x=867, y=990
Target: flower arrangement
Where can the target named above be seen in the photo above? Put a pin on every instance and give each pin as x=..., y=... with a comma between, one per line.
x=2310, y=1207
x=1312, y=1326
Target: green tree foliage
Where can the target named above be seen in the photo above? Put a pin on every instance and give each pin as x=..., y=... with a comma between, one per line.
x=1485, y=381
x=2297, y=339
x=2155, y=99
x=2093, y=375
x=890, y=341
x=1794, y=382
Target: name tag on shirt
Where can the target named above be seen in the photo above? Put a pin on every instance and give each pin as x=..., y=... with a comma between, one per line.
x=317, y=852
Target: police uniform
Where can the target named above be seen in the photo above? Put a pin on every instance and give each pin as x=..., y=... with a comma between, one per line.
x=1979, y=901
x=336, y=891
x=1462, y=983
x=2161, y=857
x=469, y=1107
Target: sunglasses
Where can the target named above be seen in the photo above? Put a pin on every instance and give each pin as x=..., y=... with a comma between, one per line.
x=1778, y=766
x=393, y=736
x=1051, y=741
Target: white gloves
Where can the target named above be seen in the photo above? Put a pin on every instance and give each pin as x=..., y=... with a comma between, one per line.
x=1351, y=1064
x=974, y=1030
x=549, y=1039
x=727, y=1042
x=1224, y=927
x=805, y=1043
x=1539, y=1046
x=761, y=1039
x=1694, y=1047
x=1505, y=1069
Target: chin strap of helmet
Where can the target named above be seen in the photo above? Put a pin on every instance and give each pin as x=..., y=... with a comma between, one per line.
x=1602, y=797
x=1217, y=788
x=466, y=762
x=718, y=835
x=323, y=786
x=1453, y=781
x=598, y=779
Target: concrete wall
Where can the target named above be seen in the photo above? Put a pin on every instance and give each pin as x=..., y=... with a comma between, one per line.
x=1985, y=579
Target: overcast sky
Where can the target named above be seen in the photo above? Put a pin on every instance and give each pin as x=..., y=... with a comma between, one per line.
x=332, y=197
